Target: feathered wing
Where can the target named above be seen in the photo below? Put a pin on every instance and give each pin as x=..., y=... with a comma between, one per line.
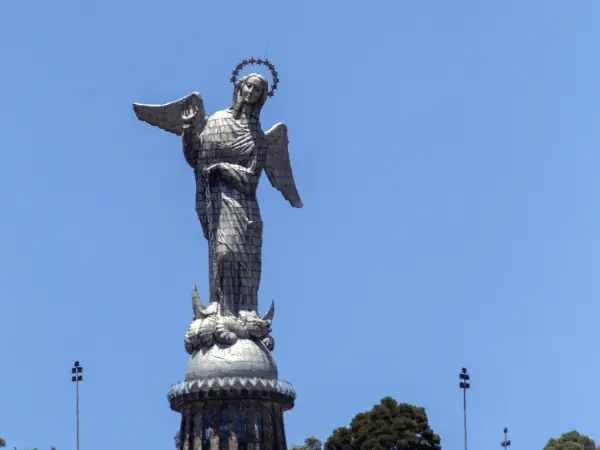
x=168, y=116
x=277, y=164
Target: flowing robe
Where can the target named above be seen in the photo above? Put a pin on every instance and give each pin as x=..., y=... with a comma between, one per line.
x=239, y=144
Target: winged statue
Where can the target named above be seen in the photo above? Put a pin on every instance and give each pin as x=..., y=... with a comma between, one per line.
x=228, y=152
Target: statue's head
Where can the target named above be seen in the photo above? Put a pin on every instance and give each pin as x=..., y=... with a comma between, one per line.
x=256, y=326
x=253, y=89
x=250, y=91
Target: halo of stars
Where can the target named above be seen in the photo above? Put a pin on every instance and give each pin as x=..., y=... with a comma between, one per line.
x=261, y=62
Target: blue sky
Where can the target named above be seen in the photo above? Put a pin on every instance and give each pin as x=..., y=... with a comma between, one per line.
x=447, y=155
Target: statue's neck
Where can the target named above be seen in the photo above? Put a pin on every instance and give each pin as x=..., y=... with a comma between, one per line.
x=249, y=112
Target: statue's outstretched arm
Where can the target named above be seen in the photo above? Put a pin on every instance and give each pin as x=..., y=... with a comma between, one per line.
x=190, y=139
x=174, y=116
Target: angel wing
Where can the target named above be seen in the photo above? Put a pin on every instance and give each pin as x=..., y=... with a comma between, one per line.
x=277, y=164
x=168, y=117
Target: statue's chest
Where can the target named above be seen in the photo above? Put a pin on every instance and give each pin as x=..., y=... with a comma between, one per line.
x=226, y=140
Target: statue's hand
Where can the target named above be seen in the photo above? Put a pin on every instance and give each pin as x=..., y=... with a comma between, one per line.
x=212, y=170
x=189, y=113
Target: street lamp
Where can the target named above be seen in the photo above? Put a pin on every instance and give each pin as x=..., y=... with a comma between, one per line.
x=506, y=442
x=77, y=376
x=464, y=384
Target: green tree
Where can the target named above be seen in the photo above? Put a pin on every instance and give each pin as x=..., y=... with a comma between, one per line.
x=387, y=426
x=3, y=444
x=310, y=443
x=572, y=440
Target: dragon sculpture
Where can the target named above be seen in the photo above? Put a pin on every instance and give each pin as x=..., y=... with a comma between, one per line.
x=216, y=325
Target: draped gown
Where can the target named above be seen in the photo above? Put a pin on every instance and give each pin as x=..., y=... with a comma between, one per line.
x=240, y=145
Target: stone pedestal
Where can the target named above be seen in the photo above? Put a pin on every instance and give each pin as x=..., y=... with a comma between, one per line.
x=232, y=399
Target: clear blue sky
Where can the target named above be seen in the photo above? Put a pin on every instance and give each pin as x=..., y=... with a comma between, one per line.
x=447, y=155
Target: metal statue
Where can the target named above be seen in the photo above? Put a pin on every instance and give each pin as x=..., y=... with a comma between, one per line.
x=228, y=152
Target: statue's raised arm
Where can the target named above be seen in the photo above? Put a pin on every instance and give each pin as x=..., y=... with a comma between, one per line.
x=168, y=117
x=277, y=164
x=185, y=116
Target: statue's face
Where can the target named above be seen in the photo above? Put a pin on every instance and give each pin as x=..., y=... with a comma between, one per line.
x=252, y=90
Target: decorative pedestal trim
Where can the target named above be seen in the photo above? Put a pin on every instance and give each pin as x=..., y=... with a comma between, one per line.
x=187, y=392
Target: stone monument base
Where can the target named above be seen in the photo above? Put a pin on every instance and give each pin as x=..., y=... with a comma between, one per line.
x=232, y=399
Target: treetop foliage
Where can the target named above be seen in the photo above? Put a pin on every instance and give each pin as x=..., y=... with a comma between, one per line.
x=572, y=440
x=387, y=426
x=310, y=443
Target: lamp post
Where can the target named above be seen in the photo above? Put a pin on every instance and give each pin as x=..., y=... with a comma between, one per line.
x=506, y=442
x=464, y=384
x=77, y=376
